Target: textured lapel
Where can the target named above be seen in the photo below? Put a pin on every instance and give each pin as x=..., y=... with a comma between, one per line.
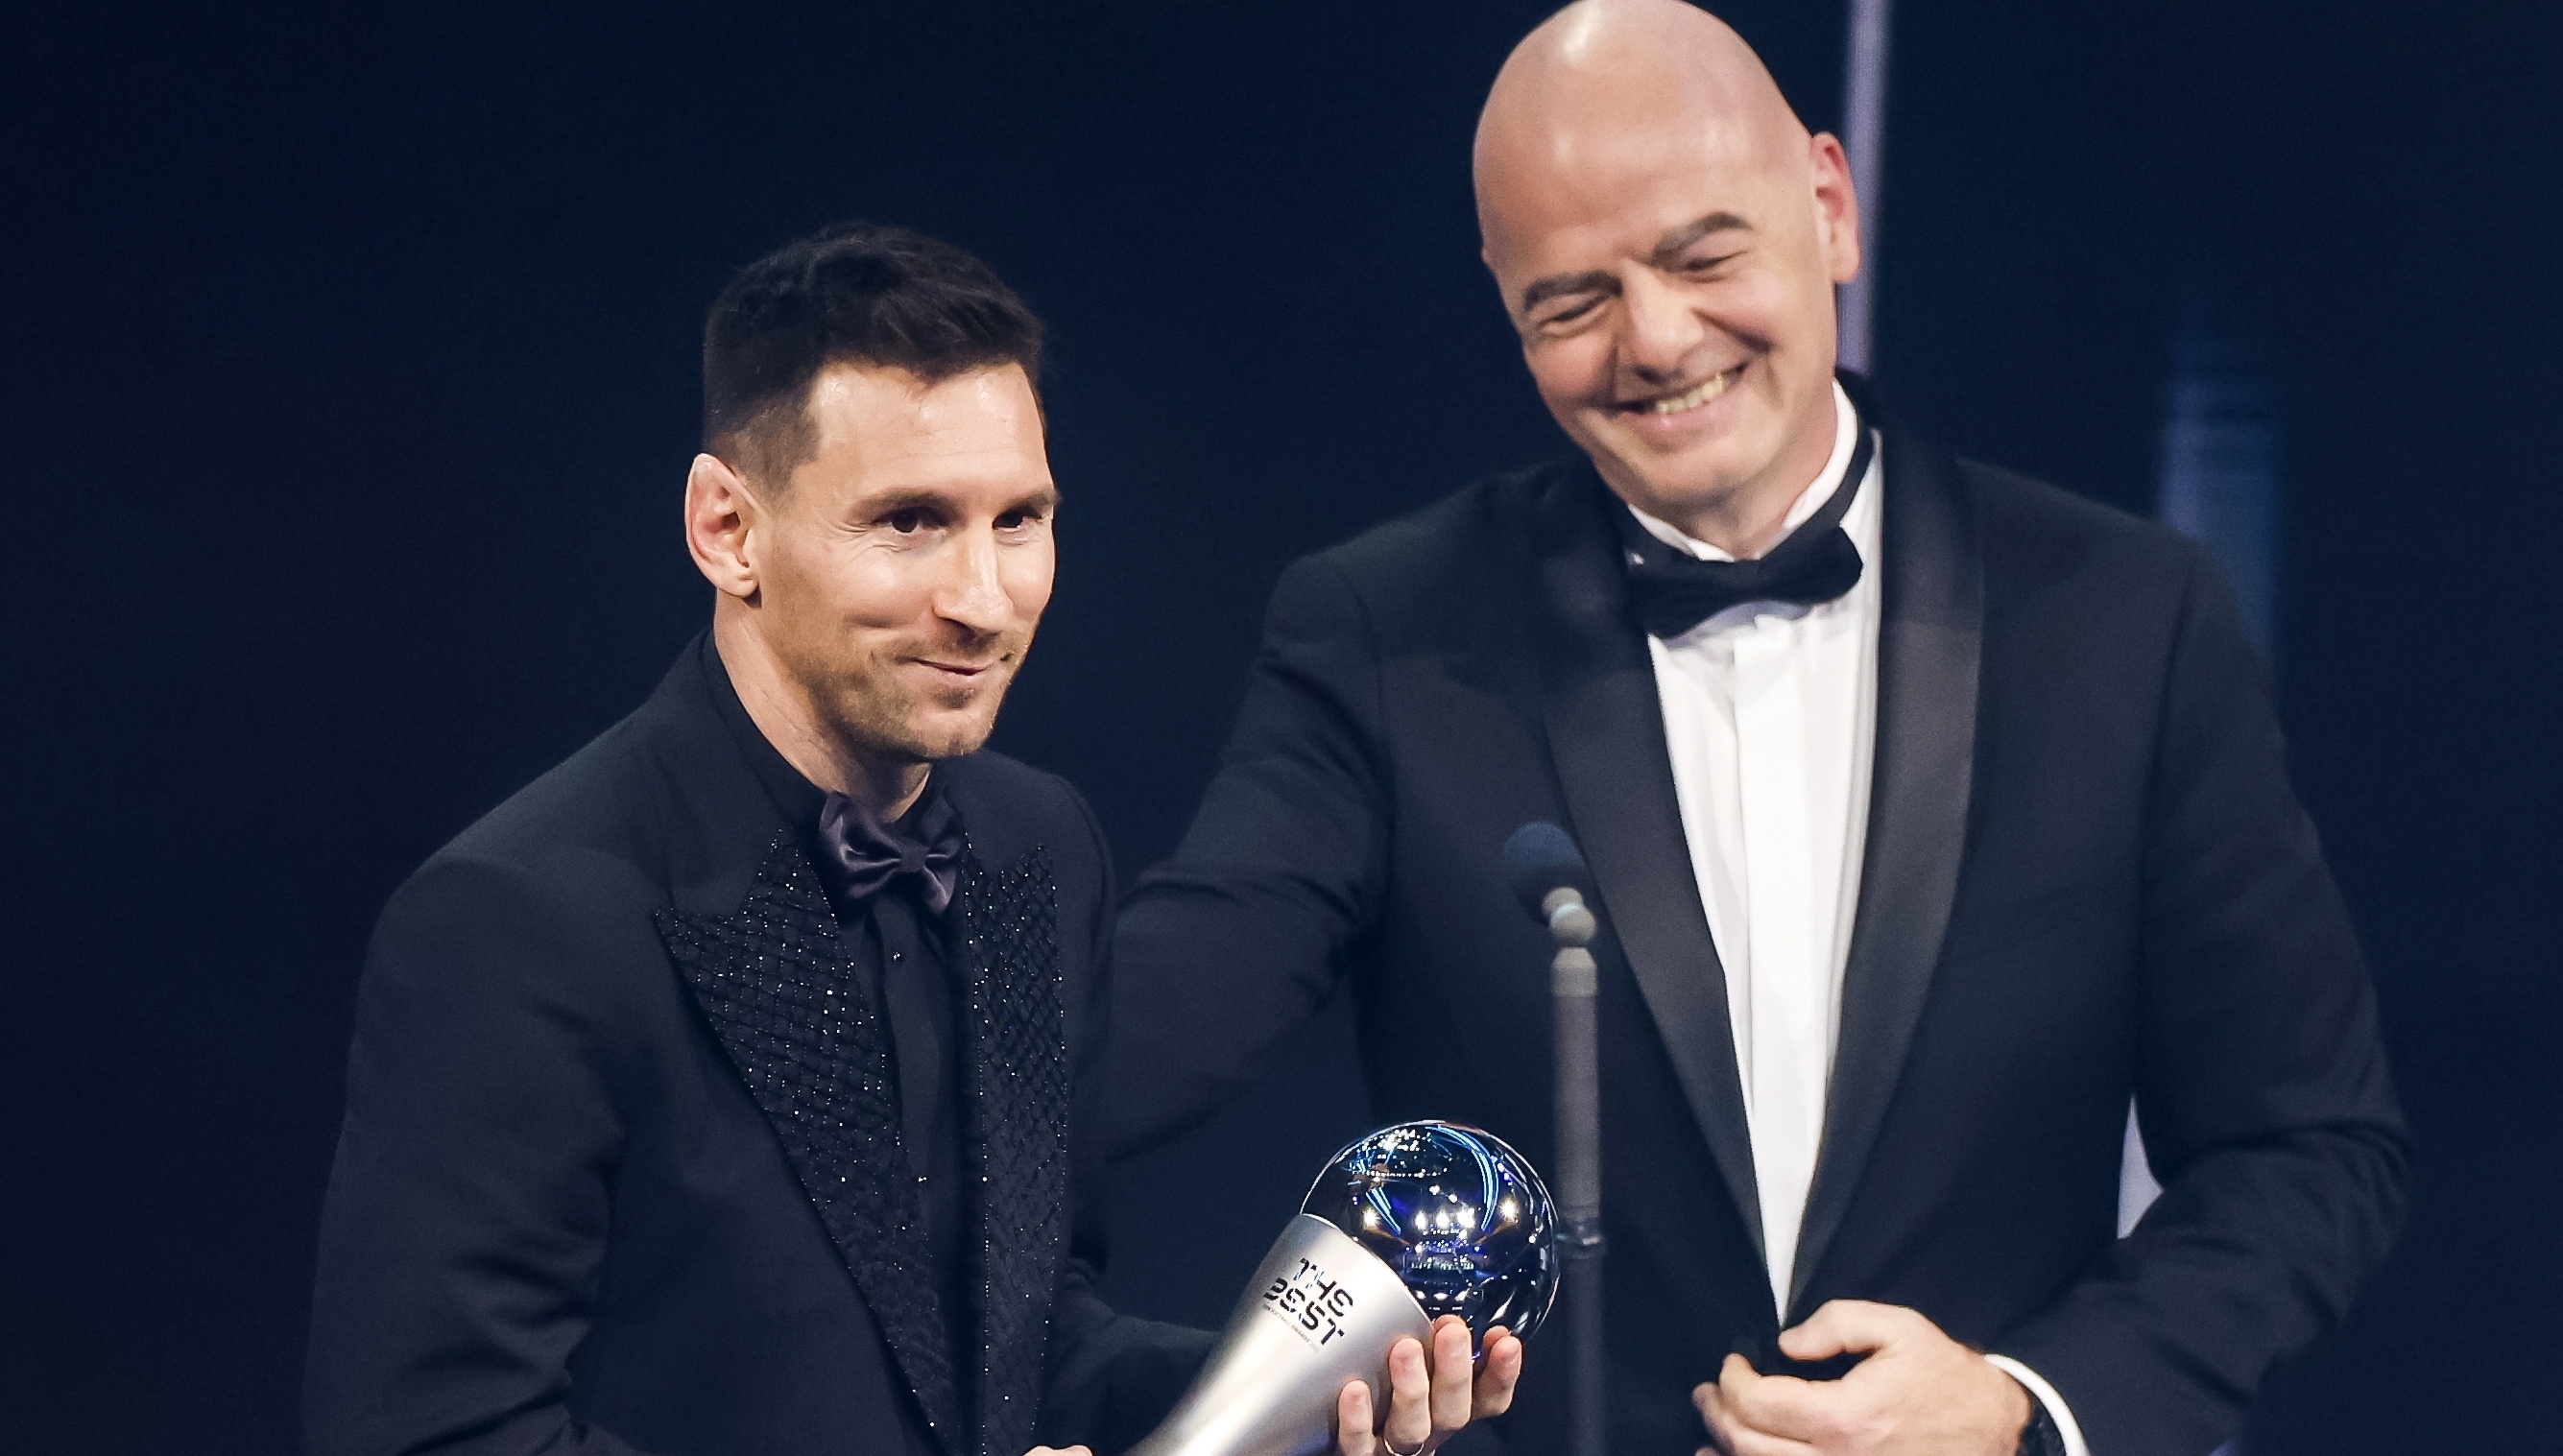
x=1606, y=734
x=779, y=988
x=1005, y=943
x=1929, y=644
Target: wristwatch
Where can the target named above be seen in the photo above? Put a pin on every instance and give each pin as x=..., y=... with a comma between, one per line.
x=2041, y=1437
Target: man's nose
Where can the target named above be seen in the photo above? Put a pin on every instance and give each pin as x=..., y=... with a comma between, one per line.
x=972, y=594
x=1659, y=330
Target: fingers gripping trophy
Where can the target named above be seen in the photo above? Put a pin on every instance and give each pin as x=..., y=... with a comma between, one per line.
x=1425, y=1231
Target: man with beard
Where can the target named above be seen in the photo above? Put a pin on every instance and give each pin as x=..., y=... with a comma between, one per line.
x=730, y=1089
x=1934, y=815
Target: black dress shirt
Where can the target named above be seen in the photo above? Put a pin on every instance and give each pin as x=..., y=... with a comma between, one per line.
x=904, y=974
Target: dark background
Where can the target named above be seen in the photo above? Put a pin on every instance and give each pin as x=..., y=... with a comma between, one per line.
x=349, y=386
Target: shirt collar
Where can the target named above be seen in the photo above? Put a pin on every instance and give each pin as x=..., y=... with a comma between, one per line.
x=795, y=796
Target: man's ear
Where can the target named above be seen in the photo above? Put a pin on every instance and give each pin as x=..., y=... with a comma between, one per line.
x=1837, y=207
x=721, y=518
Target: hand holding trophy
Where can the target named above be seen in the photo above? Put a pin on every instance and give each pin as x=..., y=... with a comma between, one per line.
x=1430, y=1400
x=1425, y=1231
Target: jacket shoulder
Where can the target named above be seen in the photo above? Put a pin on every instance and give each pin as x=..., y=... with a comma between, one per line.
x=595, y=793
x=552, y=850
x=1005, y=790
x=1009, y=806
x=589, y=844
x=1454, y=572
x=1462, y=531
x=2051, y=556
x=2018, y=515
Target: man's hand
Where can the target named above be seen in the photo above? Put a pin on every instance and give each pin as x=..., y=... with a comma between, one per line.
x=1429, y=1402
x=1918, y=1394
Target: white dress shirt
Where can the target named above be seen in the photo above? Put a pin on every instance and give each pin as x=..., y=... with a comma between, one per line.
x=1771, y=721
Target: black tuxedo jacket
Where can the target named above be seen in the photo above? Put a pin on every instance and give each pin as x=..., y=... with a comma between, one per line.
x=621, y=1168
x=2085, y=878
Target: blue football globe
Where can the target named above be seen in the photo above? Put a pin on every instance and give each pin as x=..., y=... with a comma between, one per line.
x=1462, y=1217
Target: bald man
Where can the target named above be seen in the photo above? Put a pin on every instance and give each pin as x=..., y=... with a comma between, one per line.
x=1935, y=813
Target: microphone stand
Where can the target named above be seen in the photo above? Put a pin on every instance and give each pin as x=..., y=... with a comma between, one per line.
x=1572, y=982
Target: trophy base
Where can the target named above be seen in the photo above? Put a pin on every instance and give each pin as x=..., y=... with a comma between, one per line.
x=1322, y=1311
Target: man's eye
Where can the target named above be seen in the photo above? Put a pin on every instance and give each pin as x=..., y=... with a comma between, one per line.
x=1016, y=520
x=1710, y=264
x=909, y=520
x=1569, y=312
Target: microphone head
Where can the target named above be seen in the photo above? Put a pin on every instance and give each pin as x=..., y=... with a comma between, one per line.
x=1540, y=857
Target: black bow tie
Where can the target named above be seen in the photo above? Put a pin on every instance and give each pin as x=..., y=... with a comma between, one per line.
x=859, y=856
x=1672, y=591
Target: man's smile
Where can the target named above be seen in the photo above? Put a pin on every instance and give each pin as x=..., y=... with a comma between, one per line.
x=1695, y=397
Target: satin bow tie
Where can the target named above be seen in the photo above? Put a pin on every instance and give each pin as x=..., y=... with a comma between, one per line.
x=1672, y=591
x=859, y=856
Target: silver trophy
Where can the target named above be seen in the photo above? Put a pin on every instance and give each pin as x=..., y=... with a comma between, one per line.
x=1413, y=1222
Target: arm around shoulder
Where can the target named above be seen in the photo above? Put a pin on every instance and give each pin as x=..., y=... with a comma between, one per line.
x=1227, y=947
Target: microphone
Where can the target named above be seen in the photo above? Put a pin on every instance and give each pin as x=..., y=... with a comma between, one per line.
x=1552, y=882
x=1550, y=879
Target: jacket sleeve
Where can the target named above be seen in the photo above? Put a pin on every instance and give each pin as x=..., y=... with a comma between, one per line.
x=1112, y=1378
x=465, y=1225
x=1233, y=942
x=2260, y=1083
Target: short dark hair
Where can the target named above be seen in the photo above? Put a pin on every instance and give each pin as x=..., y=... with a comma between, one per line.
x=855, y=292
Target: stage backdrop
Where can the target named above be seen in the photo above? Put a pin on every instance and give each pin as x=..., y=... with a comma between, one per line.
x=349, y=387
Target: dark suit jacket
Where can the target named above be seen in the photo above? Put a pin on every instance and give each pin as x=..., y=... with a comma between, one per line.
x=2085, y=878
x=621, y=1168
